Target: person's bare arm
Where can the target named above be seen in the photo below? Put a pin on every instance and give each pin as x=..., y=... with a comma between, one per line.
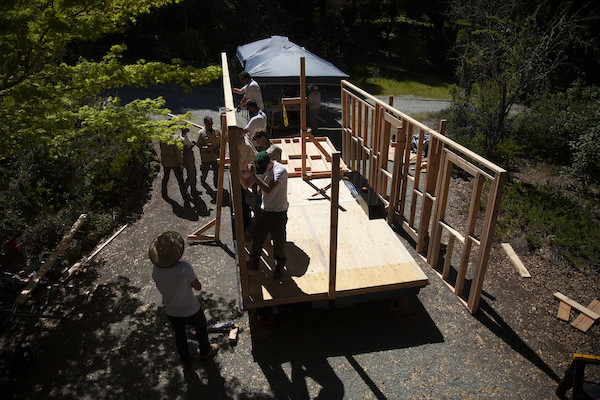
x=196, y=284
x=237, y=91
x=246, y=179
x=244, y=100
x=265, y=187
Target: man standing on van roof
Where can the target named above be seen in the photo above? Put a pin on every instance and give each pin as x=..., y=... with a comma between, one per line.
x=250, y=90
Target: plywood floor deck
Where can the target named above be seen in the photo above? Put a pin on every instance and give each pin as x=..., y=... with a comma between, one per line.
x=370, y=257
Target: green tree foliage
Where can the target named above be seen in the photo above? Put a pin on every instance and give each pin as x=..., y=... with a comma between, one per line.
x=64, y=147
x=546, y=216
x=564, y=129
x=580, y=122
x=506, y=52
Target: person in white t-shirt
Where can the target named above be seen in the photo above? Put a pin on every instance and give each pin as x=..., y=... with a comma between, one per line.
x=175, y=280
x=271, y=177
x=258, y=119
x=250, y=90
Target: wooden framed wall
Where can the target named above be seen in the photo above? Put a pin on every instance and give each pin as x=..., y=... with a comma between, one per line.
x=415, y=189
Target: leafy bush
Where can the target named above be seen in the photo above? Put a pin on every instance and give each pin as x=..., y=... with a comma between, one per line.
x=538, y=129
x=542, y=213
x=564, y=128
x=104, y=169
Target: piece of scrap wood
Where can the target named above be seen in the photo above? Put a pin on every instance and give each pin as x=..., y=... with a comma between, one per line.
x=583, y=322
x=564, y=311
x=233, y=334
x=514, y=258
x=577, y=306
x=51, y=260
x=80, y=264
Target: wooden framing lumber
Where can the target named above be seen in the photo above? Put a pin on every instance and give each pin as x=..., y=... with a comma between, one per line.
x=591, y=314
x=583, y=322
x=483, y=254
x=62, y=245
x=564, y=311
x=333, y=230
x=69, y=273
x=468, y=242
x=433, y=158
x=515, y=260
x=199, y=234
x=426, y=206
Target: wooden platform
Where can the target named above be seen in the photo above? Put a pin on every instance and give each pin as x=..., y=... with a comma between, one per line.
x=371, y=258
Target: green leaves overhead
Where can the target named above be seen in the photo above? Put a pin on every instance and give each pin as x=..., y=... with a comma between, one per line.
x=43, y=96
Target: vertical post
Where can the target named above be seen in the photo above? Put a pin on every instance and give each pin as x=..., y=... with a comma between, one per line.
x=303, y=114
x=236, y=189
x=433, y=167
x=471, y=222
x=375, y=144
x=397, y=178
x=221, y=163
x=440, y=211
x=385, y=151
x=333, y=233
x=407, y=129
x=489, y=225
x=417, y=180
x=353, y=133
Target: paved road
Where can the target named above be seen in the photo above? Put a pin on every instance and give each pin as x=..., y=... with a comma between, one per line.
x=121, y=345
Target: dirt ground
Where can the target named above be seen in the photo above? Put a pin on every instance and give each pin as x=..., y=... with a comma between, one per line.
x=115, y=342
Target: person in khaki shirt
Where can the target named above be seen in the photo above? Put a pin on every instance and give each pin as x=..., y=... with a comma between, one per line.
x=172, y=160
x=209, y=142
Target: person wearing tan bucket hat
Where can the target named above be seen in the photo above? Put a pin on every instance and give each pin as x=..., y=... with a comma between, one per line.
x=175, y=279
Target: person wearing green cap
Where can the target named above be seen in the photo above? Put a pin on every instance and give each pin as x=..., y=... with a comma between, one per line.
x=271, y=177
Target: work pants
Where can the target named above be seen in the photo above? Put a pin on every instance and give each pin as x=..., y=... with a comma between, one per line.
x=178, y=174
x=198, y=322
x=270, y=222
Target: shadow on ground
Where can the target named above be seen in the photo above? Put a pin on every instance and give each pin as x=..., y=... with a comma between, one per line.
x=119, y=347
x=298, y=346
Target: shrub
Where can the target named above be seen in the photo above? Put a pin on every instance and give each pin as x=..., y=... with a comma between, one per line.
x=541, y=213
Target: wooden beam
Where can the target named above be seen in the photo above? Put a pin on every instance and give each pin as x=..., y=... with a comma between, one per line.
x=333, y=233
x=471, y=223
x=185, y=120
x=489, y=225
x=303, y=94
x=431, y=178
x=67, y=275
x=448, y=258
x=318, y=145
x=564, y=311
x=583, y=322
x=62, y=245
x=516, y=261
x=593, y=315
x=199, y=233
